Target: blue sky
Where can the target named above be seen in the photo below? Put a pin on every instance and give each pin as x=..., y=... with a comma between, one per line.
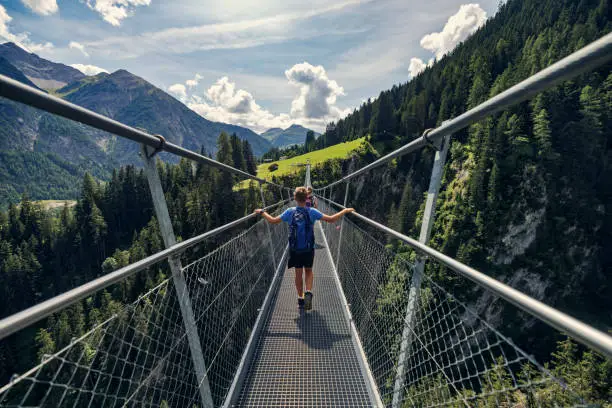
x=259, y=64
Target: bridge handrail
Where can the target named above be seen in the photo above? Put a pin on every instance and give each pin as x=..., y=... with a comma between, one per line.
x=18, y=92
x=586, y=58
x=20, y=320
x=582, y=332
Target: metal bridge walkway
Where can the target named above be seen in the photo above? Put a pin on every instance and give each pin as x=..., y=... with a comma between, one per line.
x=224, y=329
x=307, y=358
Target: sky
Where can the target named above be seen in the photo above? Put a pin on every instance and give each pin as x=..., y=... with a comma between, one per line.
x=259, y=64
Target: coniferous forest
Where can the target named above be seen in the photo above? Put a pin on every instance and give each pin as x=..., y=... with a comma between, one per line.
x=45, y=253
x=526, y=194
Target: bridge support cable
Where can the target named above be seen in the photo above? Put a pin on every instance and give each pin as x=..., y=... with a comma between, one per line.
x=417, y=276
x=456, y=359
x=167, y=232
x=263, y=205
x=585, y=59
x=346, y=194
x=581, y=332
x=140, y=355
x=12, y=324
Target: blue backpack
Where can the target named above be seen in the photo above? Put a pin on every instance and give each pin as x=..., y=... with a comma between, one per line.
x=301, y=217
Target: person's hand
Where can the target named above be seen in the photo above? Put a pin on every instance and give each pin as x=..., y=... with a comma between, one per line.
x=258, y=211
x=349, y=210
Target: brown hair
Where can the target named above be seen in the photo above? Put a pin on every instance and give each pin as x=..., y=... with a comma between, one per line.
x=300, y=194
x=309, y=190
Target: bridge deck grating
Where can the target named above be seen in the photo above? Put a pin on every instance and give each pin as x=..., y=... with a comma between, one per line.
x=306, y=359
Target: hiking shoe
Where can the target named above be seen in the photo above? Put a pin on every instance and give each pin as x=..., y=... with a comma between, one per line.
x=318, y=246
x=301, y=303
x=308, y=301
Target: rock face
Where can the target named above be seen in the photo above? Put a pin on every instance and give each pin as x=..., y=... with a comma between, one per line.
x=45, y=74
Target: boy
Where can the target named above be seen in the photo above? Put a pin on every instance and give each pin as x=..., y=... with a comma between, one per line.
x=311, y=201
x=301, y=220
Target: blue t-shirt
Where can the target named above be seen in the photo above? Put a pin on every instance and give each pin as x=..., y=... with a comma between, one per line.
x=315, y=215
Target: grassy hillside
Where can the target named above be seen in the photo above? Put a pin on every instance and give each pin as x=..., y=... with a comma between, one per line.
x=289, y=166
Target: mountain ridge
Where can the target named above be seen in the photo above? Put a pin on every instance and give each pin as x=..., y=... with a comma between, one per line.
x=293, y=135
x=121, y=96
x=42, y=72
x=115, y=95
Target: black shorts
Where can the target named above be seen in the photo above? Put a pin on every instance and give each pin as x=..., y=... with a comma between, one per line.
x=301, y=259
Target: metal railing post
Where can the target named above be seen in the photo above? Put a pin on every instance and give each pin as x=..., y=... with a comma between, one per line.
x=348, y=183
x=415, y=284
x=167, y=232
x=263, y=205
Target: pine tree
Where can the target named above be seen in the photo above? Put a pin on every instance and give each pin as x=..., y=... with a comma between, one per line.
x=224, y=183
x=238, y=158
x=249, y=157
x=15, y=226
x=310, y=140
x=542, y=133
x=381, y=122
x=224, y=149
x=406, y=211
x=44, y=343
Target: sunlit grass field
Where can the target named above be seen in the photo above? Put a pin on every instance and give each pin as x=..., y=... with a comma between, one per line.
x=292, y=165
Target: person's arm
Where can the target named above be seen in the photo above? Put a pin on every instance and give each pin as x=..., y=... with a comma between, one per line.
x=268, y=217
x=336, y=216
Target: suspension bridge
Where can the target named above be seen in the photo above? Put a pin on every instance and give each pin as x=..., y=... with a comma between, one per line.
x=223, y=329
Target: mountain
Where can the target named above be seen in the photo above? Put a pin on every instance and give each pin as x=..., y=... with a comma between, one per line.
x=294, y=134
x=135, y=102
x=9, y=70
x=71, y=148
x=271, y=134
x=45, y=74
x=23, y=128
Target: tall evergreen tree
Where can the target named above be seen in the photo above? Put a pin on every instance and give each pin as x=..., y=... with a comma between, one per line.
x=249, y=157
x=310, y=140
x=224, y=149
x=238, y=158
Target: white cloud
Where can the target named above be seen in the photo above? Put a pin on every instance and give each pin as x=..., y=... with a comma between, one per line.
x=226, y=35
x=113, y=11
x=417, y=66
x=88, y=69
x=42, y=7
x=192, y=83
x=179, y=91
x=78, y=46
x=224, y=102
x=317, y=92
x=223, y=93
x=22, y=39
x=458, y=28
x=313, y=107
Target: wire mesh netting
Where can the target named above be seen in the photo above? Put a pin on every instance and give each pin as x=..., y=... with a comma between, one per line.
x=452, y=356
x=141, y=356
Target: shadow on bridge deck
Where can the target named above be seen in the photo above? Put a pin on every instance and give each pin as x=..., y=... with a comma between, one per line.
x=306, y=359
